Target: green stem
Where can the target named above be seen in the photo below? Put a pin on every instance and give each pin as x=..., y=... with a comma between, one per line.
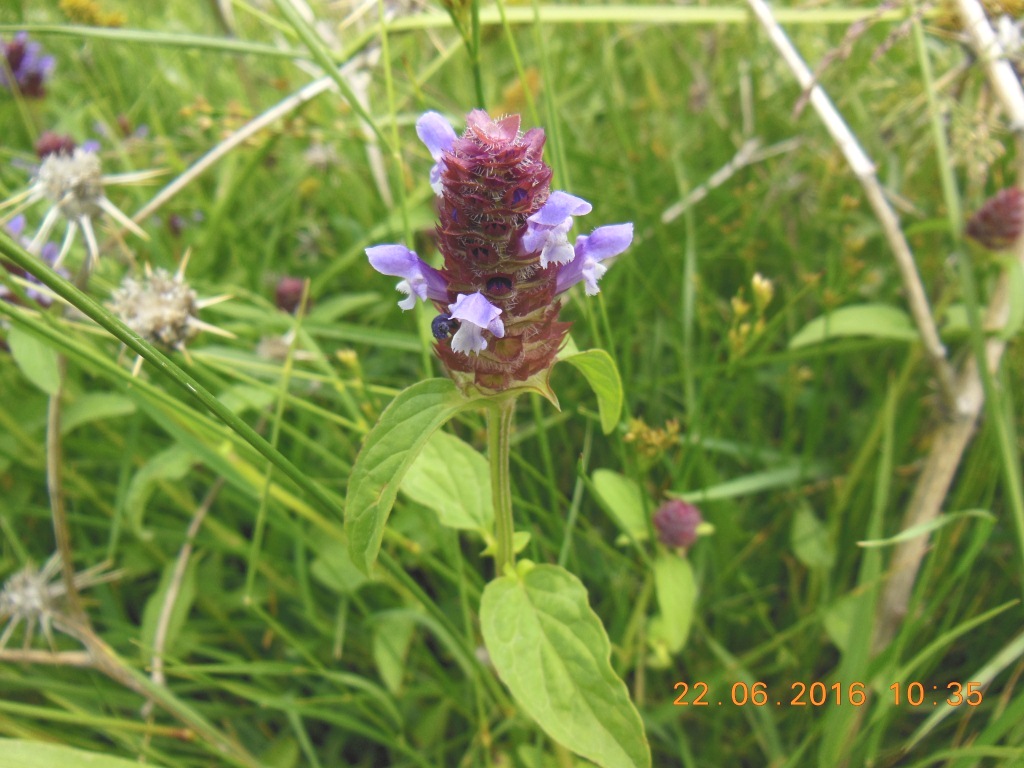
x=499, y=429
x=474, y=54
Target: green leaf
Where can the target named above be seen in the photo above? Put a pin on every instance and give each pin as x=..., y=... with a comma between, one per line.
x=19, y=753
x=809, y=540
x=677, y=597
x=623, y=500
x=598, y=368
x=550, y=649
x=922, y=529
x=388, y=452
x=454, y=480
x=36, y=360
x=96, y=406
x=778, y=477
x=392, y=635
x=876, y=320
x=171, y=464
x=334, y=569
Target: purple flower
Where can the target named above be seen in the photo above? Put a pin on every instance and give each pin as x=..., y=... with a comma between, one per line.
x=547, y=230
x=419, y=279
x=676, y=522
x=475, y=314
x=27, y=64
x=438, y=134
x=504, y=236
x=590, y=250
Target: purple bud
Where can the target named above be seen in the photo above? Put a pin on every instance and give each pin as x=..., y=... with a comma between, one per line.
x=999, y=222
x=51, y=143
x=676, y=522
x=288, y=294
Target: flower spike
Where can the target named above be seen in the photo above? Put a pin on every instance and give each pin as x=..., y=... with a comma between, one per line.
x=504, y=236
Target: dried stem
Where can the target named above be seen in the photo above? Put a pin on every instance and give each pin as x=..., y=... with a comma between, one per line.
x=174, y=588
x=864, y=170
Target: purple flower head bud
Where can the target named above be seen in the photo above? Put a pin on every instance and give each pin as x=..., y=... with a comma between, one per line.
x=1000, y=220
x=438, y=134
x=475, y=314
x=288, y=293
x=547, y=230
x=420, y=280
x=504, y=237
x=27, y=64
x=51, y=143
x=676, y=522
x=590, y=251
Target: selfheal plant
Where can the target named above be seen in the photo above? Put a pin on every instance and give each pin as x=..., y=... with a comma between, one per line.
x=504, y=237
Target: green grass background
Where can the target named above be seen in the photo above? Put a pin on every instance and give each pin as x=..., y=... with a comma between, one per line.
x=282, y=649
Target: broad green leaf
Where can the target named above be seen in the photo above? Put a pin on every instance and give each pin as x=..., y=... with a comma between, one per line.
x=241, y=398
x=839, y=620
x=598, y=368
x=392, y=634
x=677, y=596
x=388, y=451
x=171, y=464
x=809, y=540
x=334, y=569
x=550, y=649
x=179, y=611
x=623, y=500
x=454, y=480
x=36, y=360
x=880, y=321
x=95, y=406
x=20, y=753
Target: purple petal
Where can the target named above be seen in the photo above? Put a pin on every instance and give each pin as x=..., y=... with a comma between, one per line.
x=547, y=230
x=601, y=244
x=439, y=136
x=16, y=226
x=436, y=132
x=475, y=314
x=560, y=205
x=420, y=280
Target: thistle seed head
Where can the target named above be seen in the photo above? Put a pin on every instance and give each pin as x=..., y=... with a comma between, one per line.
x=73, y=183
x=161, y=308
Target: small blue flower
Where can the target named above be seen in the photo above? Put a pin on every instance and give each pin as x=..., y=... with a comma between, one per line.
x=590, y=250
x=438, y=134
x=547, y=230
x=475, y=314
x=419, y=279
